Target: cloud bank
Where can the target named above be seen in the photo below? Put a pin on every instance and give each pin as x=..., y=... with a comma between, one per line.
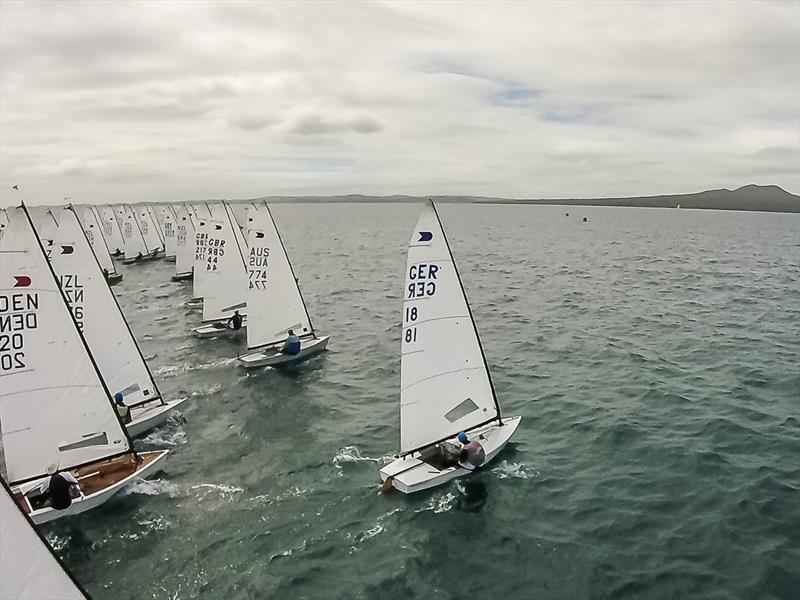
x=114, y=102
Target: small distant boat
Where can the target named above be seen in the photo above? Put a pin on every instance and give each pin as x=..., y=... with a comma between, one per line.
x=105, y=329
x=112, y=231
x=184, y=245
x=94, y=233
x=56, y=412
x=136, y=248
x=31, y=570
x=678, y=206
x=167, y=223
x=274, y=301
x=445, y=385
x=221, y=247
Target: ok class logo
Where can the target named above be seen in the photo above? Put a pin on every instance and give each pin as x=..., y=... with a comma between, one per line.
x=22, y=281
x=425, y=236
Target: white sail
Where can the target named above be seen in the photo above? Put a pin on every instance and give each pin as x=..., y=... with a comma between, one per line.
x=184, y=241
x=444, y=382
x=201, y=210
x=149, y=228
x=94, y=233
x=112, y=231
x=55, y=409
x=135, y=245
x=168, y=226
x=44, y=221
x=28, y=568
x=200, y=277
x=3, y=221
x=241, y=239
x=225, y=271
x=99, y=316
x=274, y=302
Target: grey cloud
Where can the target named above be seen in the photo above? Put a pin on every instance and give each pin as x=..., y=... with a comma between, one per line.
x=316, y=124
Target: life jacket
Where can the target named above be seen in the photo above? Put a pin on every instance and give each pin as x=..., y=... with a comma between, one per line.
x=124, y=413
x=59, y=492
x=292, y=345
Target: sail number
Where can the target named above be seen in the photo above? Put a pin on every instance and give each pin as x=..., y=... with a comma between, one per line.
x=422, y=280
x=410, y=334
x=257, y=263
x=18, y=314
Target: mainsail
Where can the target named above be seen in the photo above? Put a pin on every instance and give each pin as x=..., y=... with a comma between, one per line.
x=91, y=226
x=225, y=270
x=184, y=241
x=55, y=409
x=111, y=229
x=444, y=381
x=99, y=316
x=274, y=302
x=150, y=230
x=135, y=245
x=29, y=570
x=168, y=225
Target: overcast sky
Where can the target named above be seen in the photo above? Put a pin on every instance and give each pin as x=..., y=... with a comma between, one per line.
x=107, y=102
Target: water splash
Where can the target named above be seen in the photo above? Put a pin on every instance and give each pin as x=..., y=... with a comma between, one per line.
x=509, y=470
x=153, y=487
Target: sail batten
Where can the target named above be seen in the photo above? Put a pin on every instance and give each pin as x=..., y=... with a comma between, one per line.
x=445, y=385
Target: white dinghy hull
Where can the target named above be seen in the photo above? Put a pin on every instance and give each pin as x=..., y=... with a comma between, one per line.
x=150, y=415
x=219, y=329
x=272, y=356
x=90, y=501
x=412, y=474
x=194, y=304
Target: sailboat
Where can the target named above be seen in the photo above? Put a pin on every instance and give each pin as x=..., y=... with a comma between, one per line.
x=112, y=231
x=199, y=272
x=168, y=228
x=274, y=302
x=225, y=274
x=30, y=568
x=445, y=386
x=184, y=244
x=151, y=230
x=94, y=233
x=46, y=226
x=105, y=329
x=136, y=248
x=56, y=412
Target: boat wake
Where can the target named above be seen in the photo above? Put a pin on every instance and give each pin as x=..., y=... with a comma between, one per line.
x=509, y=470
x=153, y=487
x=227, y=492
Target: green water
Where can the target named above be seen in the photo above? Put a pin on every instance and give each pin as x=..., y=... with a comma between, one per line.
x=654, y=355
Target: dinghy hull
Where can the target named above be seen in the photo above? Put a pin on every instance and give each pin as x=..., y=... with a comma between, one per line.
x=152, y=462
x=219, y=329
x=183, y=277
x=114, y=279
x=148, y=416
x=272, y=356
x=141, y=259
x=411, y=473
x=194, y=304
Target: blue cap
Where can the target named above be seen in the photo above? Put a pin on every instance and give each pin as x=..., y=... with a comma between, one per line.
x=462, y=437
x=118, y=397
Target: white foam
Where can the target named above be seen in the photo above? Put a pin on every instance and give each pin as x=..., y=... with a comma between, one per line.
x=507, y=470
x=153, y=487
x=227, y=492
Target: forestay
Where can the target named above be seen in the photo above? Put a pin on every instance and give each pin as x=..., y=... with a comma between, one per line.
x=111, y=230
x=444, y=382
x=99, y=316
x=132, y=235
x=29, y=570
x=184, y=241
x=91, y=226
x=273, y=297
x=225, y=271
x=55, y=409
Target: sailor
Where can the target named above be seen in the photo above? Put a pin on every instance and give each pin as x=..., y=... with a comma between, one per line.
x=292, y=344
x=472, y=454
x=60, y=487
x=123, y=411
x=235, y=321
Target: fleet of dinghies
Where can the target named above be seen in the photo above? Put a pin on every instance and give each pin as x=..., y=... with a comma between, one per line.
x=66, y=350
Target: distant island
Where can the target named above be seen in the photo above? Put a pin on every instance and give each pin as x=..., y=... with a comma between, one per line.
x=769, y=198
